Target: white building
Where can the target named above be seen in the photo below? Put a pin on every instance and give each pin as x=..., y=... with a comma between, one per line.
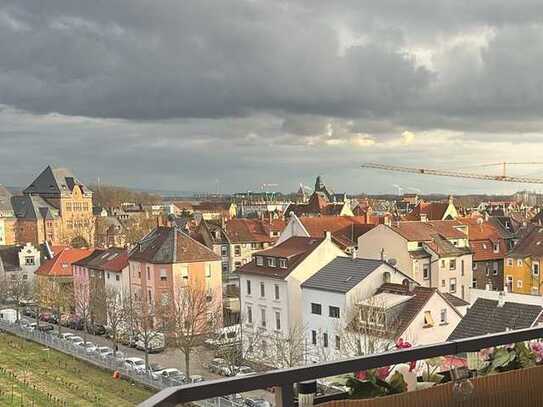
x=22, y=261
x=271, y=294
x=330, y=300
x=434, y=253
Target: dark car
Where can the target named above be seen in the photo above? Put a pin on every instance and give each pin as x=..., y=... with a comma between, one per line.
x=46, y=327
x=75, y=323
x=29, y=312
x=96, y=329
x=48, y=317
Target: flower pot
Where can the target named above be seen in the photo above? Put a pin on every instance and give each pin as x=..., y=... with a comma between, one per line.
x=518, y=388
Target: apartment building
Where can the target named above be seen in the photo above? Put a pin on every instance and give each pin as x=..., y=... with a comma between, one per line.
x=434, y=253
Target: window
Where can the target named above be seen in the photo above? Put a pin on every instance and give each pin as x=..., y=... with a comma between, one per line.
x=163, y=275
x=117, y=278
x=248, y=287
x=271, y=261
x=263, y=317
x=225, y=267
x=139, y=274
x=474, y=283
x=276, y=289
x=443, y=316
x=474, y=266
x=262, y=290
x=249, y=314
x=519, y=283
x=495, y=268
x=496, y=247
x=325, y=340
x=208, y=271
x=237, y=250
x=224, y=251
x=452, y=264
x=443, y=283
x=463, y=292
x=316, y=309
x=148, y=273
x=419, y=244
x=237, y=265
x=254, y=246
x=462, y=267
x=29, y=261
x=452, y=285
x=108, y=275
x=519, y=262
x=535, y=269
x=313, y=337
x=333, y=312
x=283, y=263
x=426, y=271
x=338, y=342
x=150, y=296
x=442, y=264
x=259, y=260
x=185, y=273
x=510, y=262
x=277, y=320
x=428, y=320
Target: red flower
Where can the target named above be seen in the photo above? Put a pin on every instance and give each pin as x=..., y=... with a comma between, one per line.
x=401, y=344
x=362, y=375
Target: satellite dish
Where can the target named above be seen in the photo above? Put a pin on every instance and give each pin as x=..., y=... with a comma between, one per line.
x=392, y=262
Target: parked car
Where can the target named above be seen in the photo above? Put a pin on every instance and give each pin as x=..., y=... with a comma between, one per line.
x=226, y=336
x=45, y=327
x=66, y=319
x=74, y=340
x=235, y=398
x=244, y=371
x=48, y=317
x=257, y=403
x=24, y=324
x=96, y=329
x=216, y=365
x=153, y=370
x=137, y=365
x=29, y=312
x=172, y=376
x=76, y=323
x=102, y=351
x=8, y=315
x=89, y=347
x=119, y=356
x=156, y=343
x=66, y=335
x=194, y=379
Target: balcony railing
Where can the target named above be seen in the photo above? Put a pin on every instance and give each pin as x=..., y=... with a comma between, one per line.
x=283, y=380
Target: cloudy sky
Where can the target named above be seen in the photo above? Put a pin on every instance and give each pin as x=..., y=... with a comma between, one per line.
x=191, y=94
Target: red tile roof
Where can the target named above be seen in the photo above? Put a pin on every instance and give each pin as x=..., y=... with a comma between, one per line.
x=482, y=237
x=61, y=264
x=424, y=231
x=252, y=230
x=432, y=210
x=294, y=249
x=344, y=229
x=118, y=263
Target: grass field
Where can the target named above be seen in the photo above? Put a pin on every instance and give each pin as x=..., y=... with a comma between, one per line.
x=32, y=376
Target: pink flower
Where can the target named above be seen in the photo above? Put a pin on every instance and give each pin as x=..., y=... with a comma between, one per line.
x=362, y=375
x=537, y=348
x=401, y=344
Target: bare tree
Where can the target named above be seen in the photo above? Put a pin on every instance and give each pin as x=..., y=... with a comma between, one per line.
x=289, y=349
x=55, y=297
x=370, y=328
x=117, y=310
x=83, y=304
x=145, y=326
x=17, y=291
x=194, y=314
x=137, y=227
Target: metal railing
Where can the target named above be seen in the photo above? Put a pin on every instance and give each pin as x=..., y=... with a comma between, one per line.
x=52, y=341
x=283, y=380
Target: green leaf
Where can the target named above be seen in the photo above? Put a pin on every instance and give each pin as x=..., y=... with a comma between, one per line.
x=502, y=357
x=397, y=383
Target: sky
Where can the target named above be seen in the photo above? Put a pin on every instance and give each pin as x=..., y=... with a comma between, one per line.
x=201, y=95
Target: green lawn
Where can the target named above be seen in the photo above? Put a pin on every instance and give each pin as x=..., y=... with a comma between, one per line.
x=32, y=376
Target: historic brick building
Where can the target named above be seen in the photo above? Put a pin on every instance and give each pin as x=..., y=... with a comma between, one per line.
x=56, y=207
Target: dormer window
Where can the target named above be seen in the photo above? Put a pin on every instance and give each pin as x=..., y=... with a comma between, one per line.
x=496, y=247
x=271, y=262
x=283, y=263
x=259, y=260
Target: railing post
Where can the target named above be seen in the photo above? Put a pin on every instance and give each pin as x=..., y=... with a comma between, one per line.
x=284, y=395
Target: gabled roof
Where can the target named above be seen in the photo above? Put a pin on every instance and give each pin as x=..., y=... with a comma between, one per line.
x=443, y=248
x=294, y=249
x=61, y=264
x=411, y=308
x=345, y=229
x=530, y=245
x=343, y=274
x=33, y=207
x=9, y=256
x=486, y=317
x=424, y=231
x=432, y=210
x=251, y=230
x=112, y=259
x=167, y=245
x=55, y=181
x=454, y=300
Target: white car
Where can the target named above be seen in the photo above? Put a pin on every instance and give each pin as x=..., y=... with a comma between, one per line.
x=66, y=335
x=135, y=364
x=244, y=371
x=89, y=347
x=103, y=351
x=172, y=376
x=75, y=340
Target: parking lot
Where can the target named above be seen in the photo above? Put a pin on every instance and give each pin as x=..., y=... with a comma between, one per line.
x=169, y=358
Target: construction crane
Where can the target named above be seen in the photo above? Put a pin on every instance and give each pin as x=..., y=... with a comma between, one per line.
x=460, y=174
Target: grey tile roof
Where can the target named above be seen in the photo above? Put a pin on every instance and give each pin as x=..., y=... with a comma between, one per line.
x=54, y=181
x=485, y=317
x=342, y=274
x=33, y=207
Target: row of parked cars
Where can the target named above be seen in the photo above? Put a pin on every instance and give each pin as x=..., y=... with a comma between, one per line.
x=221, y=367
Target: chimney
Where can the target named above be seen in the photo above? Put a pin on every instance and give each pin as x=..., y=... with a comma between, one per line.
x=382, y=254
x=501, y=299
x=353, y=254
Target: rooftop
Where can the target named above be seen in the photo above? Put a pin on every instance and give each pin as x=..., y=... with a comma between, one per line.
x=61, y=264
x=424, y=231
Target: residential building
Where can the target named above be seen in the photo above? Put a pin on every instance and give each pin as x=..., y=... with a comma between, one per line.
x=19, y=261
x=434, y=253
x=424, y=211
x=271, y=292
x=110, y=232
x=330, y=299
x=217, y=210
x=489, y=246
x=486, y=316
x=523, y=264
x=58, y=270
x=345, y=230
x=166, y=261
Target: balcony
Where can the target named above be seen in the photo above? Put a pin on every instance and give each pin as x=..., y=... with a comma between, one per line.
x=521, y=387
